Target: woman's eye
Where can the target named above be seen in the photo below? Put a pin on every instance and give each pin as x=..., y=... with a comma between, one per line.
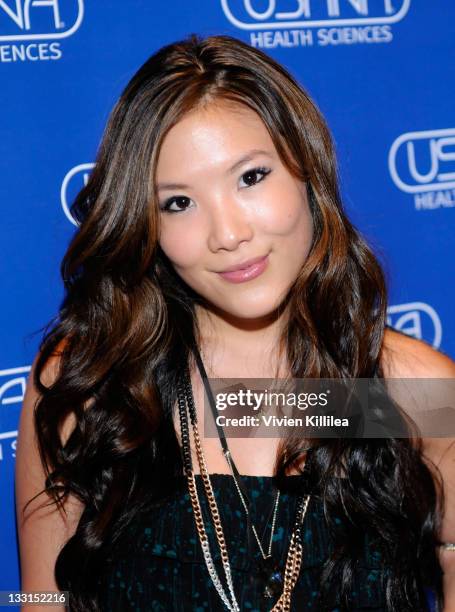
x=251, y=175
x=180, y=201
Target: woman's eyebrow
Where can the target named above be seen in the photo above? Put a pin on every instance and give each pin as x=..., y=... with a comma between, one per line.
x=249, y=156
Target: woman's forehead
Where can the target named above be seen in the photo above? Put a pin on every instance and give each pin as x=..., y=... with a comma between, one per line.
x=213, y=138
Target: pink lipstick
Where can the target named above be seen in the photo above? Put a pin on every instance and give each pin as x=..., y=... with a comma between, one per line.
x=245, y=271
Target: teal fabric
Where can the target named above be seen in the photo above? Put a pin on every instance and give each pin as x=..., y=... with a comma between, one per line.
x=158, y=563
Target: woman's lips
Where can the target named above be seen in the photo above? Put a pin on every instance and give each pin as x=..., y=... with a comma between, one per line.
x=246, y=274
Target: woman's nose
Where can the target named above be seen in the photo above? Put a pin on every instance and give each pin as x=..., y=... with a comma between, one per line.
x=229, y=226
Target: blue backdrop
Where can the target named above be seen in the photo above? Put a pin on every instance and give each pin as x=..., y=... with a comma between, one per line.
x=382, y=72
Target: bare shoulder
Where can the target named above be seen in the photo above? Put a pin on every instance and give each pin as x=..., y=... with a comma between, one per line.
x=42, y=529
x=406, y=357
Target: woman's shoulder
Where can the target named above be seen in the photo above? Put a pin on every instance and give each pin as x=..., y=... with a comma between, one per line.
x=405, y=357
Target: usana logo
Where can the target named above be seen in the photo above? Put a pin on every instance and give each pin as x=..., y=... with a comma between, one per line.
x=423, y=164
x=73, y=182
x=31, y=30
x=417, y=319
x=305, y=23
x=13, y=382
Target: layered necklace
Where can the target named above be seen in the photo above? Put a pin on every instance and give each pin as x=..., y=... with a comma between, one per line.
x=268, y=570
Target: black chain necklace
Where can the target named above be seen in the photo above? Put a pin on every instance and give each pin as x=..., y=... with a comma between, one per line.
x=268, y=571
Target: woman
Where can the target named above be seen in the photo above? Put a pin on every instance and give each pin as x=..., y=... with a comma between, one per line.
x=214, y=159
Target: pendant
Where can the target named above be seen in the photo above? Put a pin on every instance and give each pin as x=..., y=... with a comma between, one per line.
x=270, y=575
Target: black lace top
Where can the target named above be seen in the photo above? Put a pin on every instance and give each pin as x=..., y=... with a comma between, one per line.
x=158, y=563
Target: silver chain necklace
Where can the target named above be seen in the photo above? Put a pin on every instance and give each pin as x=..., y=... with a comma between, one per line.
x=227, y=454
x=294, y=557
x=268, y=571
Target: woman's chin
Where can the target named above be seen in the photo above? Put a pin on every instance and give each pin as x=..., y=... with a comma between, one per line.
x=249, y=313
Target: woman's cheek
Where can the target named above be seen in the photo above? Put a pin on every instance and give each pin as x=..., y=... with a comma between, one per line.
x=284, y=208
x=284, y=218
x=177, y=244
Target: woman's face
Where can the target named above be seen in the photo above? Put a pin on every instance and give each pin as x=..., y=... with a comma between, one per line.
x=226, y=198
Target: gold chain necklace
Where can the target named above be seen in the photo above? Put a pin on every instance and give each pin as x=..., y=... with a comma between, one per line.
x=268, y=571
x=294, y=556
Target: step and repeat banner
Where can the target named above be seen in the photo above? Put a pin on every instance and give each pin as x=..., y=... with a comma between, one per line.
x=381, y=71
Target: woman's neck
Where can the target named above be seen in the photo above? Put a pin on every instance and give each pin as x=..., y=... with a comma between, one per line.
x=241, y=348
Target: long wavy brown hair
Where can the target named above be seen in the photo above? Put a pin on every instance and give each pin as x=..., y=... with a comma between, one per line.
x=127, y=326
